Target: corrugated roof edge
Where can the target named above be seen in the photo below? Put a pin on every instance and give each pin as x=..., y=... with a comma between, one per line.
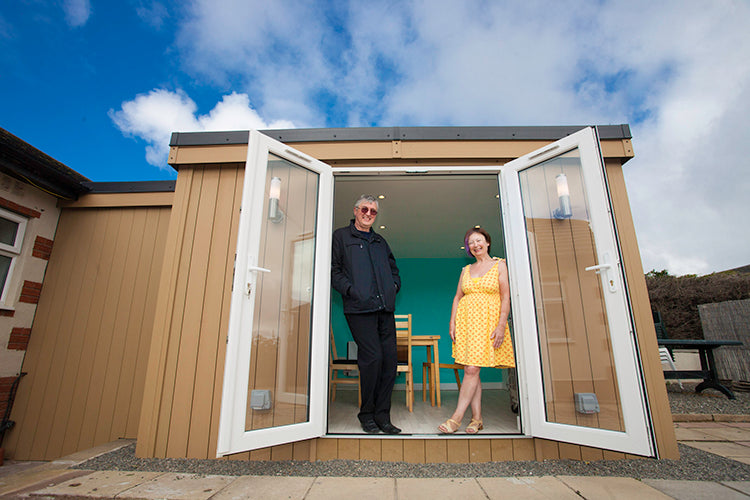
x=551, y=133
x=130, y=187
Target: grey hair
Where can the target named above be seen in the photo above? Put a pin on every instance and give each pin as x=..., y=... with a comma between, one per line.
x=367, y=197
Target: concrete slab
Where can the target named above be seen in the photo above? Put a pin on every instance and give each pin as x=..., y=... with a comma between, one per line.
x=729, y=433
x=89, y=453
x=532, y=488
x=695, y=490
x=612, y=487
x=743, y=486
x=725, y=449
x=266, y=488
x=683, y=434
x=738, y=424
x=180, y=486
x=40, y=477
x=700, y=425
x=430, y=489
x=100, y=484
x=361, y=488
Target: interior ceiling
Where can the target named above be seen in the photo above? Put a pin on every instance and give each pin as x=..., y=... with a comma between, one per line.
x=425, y=216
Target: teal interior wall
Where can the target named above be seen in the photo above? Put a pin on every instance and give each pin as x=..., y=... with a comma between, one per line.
x=427, y=290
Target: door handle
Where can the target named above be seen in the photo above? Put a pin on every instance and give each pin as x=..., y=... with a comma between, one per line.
x=609, y=270
x=253, y=269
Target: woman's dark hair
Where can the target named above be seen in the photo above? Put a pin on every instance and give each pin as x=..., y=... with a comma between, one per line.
x=477, y=230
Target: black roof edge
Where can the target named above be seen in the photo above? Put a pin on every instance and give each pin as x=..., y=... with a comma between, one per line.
x=130, y=187
x=551, y=133
x=23, y=161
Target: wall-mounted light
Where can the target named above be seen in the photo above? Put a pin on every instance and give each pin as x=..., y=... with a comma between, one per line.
x=563, y=196
x=274, y=192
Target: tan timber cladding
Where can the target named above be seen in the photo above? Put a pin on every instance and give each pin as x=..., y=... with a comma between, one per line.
x=183, y=389
x=182, y=396
x=87, y=354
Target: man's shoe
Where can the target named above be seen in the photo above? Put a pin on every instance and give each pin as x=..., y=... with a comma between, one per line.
x=370, y=427
x=389, y=428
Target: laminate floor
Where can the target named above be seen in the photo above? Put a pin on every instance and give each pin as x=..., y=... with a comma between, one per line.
x=424, y=420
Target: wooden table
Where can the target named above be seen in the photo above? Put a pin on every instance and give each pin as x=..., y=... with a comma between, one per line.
x=707, y=372
x=430, y=342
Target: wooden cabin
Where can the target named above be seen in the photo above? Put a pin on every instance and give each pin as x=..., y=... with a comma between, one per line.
x=197, y=316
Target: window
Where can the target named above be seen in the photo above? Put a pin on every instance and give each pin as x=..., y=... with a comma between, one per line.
x=12, y=229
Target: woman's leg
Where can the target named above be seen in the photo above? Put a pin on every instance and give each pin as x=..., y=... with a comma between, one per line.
x=476, y=402
x=466, y=395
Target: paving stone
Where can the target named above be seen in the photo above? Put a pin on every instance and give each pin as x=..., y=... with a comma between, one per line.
x=532, y=488
x=105, y=484
x=612, y=487
x=729, y=433
x=37, y=478
x=266, y=488
x=367, y=488
x=723, y=448
x=743, y=486
x=179, y=486
x=695, y=490
x=683, y=434
x=421, y=489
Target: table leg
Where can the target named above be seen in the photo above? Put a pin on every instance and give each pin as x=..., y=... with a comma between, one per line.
x=712, y=382
x=432, y=375
x=436, y=369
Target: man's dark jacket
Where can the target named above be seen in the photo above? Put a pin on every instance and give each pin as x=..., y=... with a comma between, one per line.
x=364, y=272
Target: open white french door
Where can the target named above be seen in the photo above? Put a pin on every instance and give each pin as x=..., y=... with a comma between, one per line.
x=275, y=371
x=574, y=335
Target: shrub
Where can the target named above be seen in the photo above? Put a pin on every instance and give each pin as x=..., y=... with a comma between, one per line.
x=677, y=298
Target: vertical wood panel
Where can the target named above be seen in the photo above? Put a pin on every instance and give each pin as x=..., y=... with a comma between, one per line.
x=210, y=328
x=154, y=385
x=348, y=449
x=236, y=175
x=190, y=329
x=414, y=451
x=570, y=451
x=392, y=450
x=479, y=450
x=458, y=451
x=369, y=449
x=85, y=351
x=523, y=449
x=327, y=449
x=78, y=289
x=179, y=292
x=502, y=450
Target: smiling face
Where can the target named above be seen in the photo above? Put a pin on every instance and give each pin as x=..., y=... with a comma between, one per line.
x=477, y=244
x=364, y=215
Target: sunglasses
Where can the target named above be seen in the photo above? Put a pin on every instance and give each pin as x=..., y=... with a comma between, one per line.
x=365, y=211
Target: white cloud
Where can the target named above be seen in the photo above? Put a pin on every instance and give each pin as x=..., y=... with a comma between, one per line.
x=154, y=116
x=77, y=12
x=676, y=70
x=153, y=14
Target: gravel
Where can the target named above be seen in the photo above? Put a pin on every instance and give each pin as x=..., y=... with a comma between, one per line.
x=693, y=464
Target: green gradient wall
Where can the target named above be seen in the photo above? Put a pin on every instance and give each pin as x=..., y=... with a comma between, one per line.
x=427, y=290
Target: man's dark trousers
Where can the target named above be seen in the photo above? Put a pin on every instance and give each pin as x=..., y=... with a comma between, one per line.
x=375, y=335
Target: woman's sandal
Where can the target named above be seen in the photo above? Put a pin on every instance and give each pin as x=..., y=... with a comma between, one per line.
x=449, y=426
x=474, y=426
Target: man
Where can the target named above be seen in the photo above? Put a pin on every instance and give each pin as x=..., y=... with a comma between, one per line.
x=364, y=272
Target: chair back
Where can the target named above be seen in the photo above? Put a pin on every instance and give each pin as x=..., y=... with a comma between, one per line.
x=403, y=338
x=334, y=353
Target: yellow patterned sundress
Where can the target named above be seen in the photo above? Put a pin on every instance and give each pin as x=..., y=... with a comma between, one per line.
x=476, y=317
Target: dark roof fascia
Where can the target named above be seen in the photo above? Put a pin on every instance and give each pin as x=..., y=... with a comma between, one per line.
x=545, y=133
x=130, y=187
x=23, y=161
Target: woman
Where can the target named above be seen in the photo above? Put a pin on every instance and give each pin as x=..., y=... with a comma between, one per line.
x=479, y=327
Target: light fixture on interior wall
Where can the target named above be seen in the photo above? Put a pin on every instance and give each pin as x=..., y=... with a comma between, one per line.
x=563, y=196
x=274, y=192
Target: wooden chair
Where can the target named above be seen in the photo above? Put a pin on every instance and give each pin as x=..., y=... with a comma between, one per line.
x=336, y=365
x=403, y=343
x=427, y=376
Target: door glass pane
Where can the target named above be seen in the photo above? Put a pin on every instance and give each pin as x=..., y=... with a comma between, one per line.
x=279, y=381
x=8, y=231
x=5, y=262
x=574, y=336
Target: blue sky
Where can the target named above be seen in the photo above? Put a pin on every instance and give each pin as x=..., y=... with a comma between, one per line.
x=101, y=85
